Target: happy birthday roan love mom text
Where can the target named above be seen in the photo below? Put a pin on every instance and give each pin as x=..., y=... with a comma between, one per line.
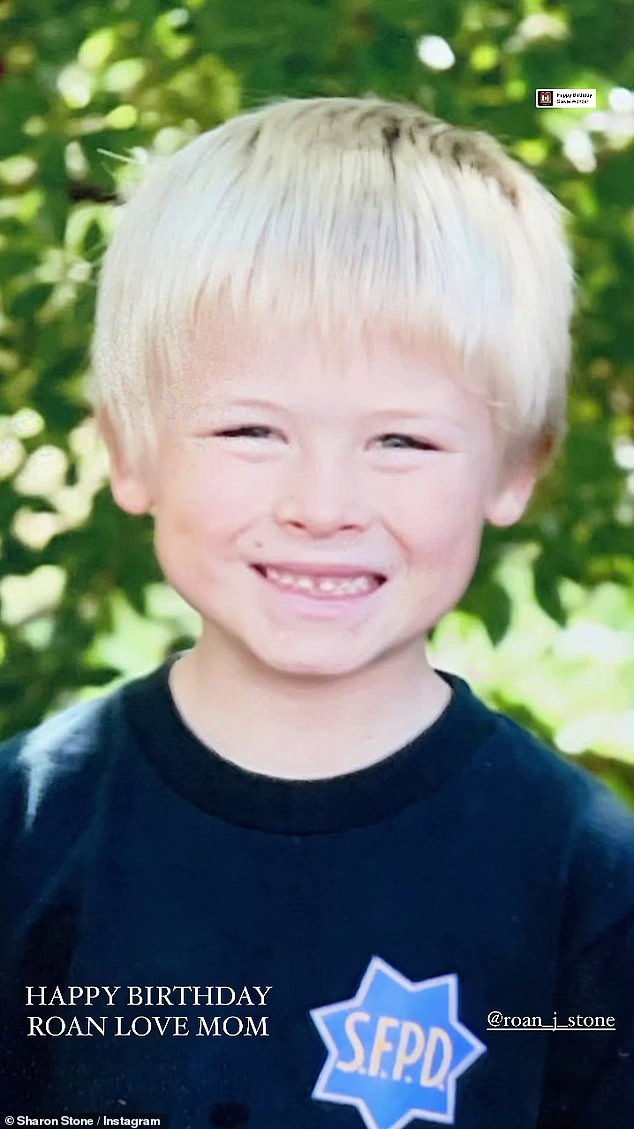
x=134, y=997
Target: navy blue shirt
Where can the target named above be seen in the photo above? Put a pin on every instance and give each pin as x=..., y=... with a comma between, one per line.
x=385, y=948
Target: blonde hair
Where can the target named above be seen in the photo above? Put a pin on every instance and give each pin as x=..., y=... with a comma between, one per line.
x=342, y=213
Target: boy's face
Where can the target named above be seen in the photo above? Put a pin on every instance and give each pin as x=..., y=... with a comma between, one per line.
x=371, y=461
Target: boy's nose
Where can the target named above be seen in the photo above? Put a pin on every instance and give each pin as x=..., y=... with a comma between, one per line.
x=322, y=498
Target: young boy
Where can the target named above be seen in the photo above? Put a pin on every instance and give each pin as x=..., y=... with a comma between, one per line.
x=296, y=877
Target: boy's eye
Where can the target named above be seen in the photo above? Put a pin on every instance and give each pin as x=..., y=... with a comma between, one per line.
x=396, y=441
x=255, y=432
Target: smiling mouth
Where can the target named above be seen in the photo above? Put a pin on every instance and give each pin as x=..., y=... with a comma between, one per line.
x=322, y=586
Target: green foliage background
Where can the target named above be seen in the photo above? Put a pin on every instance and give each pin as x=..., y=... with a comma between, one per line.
x=547, y=629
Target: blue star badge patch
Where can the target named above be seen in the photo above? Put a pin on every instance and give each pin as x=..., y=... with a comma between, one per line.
x=396, y=1049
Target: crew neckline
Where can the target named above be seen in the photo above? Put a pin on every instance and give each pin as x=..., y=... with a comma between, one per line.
x=199, y=775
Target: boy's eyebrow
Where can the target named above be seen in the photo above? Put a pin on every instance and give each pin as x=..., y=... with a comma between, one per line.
x=410, y=414
x=386, y=413
x=251, y=403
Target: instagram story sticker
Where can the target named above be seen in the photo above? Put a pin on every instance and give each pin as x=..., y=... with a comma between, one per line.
x=565, y=96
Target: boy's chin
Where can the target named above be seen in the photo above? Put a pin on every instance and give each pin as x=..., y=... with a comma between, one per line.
x=304, y=660
x=318, y=664
x=313, y=669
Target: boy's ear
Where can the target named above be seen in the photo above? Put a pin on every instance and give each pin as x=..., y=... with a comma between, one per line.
x=512, y=495
x=128, y=483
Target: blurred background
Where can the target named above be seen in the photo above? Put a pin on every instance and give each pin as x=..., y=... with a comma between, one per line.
x=87, y=90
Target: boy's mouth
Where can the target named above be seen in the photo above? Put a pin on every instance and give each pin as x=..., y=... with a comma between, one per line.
x=324, y=582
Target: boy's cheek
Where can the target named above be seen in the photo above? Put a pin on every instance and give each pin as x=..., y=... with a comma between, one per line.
x=204, y=485
x=444, y=502
x=205, y=522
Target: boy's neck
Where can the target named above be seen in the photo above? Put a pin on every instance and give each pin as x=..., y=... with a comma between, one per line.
x=302, y=728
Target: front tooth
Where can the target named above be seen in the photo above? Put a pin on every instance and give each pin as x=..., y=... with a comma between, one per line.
x=327, y=585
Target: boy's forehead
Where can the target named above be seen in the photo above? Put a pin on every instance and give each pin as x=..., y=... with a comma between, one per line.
x=230, y=352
